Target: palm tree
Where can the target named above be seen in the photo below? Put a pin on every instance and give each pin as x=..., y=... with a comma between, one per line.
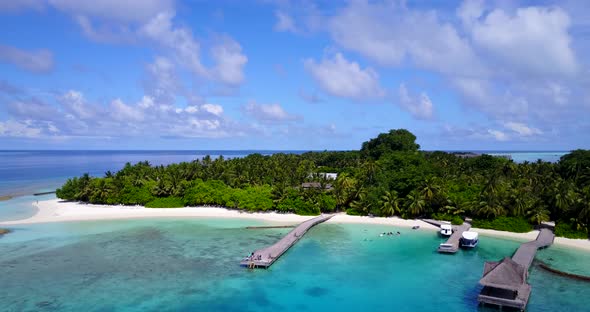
x=520, y=205
x=162, y=188
x=431, y=190
x=509, y=169
x=563, y=195
x=390, y=203
x=361, y=204
x=102, y=190
x=488, y=209
x=369, y=169
x=415, y=203
x=492, y=187
x=538, y=214
x=85, y=189
x=454, y=208
x=345, y=190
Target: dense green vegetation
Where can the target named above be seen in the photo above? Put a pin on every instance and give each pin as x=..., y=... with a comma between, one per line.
x=454, y=219
x=165, y=202
x=512, y=224
x=388, y=176
x=570, y=230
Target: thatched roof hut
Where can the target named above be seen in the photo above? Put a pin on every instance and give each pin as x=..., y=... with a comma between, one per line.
x=505, y=274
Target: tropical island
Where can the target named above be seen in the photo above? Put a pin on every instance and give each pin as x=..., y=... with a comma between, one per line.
x=388, y=176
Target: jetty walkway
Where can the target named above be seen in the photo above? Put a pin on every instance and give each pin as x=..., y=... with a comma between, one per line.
x=526, y=252
x=505, y=282
x=264, y=258
x=452, y=244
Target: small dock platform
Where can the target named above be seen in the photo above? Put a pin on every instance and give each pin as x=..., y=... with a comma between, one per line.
x=505, y=282
x=452, y=244
x=264, y=258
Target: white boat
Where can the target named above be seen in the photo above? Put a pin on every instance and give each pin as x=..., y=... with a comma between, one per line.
x=446, y=230
x=469, y=239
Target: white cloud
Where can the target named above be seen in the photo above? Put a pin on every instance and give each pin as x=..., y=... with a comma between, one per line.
x=39, y=61
x=126, y=113
x=178, y=39
x=74, y=103
x=122, y=11
x=533, y=39
x=501, y=59
x=522, y=129
x=105, y=32
x=138, y=20
x=161, y=83
x=74, y=116
x=343, y=78
x=15, y=6
x=390, y=34
x=189, y=109
x=213, y=109
x=559, y=93
x=146, y=102
x=229, y=61
x=268, y=113
x=498, y=135
x=19, y=129
x=227, y=53
x=284, y=22
x=31, y=109
x=512, y=132
x=204, y=124
x=470, y=10
x=497, y=100
x=420, y=107
x=112, y=21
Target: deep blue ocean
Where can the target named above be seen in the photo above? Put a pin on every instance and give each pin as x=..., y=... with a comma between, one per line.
x=192, y=264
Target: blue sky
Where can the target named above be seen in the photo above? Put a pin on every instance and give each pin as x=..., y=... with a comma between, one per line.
x=165, y=74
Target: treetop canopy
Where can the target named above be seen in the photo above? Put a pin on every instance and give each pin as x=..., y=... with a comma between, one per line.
x=395, y=140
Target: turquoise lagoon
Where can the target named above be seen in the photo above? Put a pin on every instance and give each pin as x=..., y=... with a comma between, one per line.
x=192, y=265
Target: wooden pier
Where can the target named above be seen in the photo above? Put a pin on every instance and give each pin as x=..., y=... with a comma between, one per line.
x=505, y=281
x=264, y=258
x=526, y=253
x=452, y=244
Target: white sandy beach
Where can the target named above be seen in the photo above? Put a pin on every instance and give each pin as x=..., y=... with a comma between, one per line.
x=58, y=211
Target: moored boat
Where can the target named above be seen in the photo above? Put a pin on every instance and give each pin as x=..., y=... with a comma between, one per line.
x=446, y=230
x=469, y=239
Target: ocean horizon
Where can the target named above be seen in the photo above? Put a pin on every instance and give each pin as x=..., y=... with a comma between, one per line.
x=24, y=172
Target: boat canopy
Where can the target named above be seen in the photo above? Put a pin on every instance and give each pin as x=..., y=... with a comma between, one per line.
x=446, y=227
x=470, y=235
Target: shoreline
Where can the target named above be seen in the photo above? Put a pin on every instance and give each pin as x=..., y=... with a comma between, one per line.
x=54, y=210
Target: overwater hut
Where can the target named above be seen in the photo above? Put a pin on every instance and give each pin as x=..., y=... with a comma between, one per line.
x=505, y=284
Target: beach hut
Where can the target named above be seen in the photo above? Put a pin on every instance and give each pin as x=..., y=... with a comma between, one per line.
x=505, y=284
